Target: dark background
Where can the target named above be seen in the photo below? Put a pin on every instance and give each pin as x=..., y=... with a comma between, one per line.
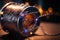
x=45, y=3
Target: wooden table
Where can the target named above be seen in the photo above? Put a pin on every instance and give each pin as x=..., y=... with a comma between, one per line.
x=45, y=27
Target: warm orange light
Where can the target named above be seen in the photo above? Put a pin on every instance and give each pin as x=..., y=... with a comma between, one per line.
x=50, y=10
x=1, y=12
x=31, y=33
x=40, y=10
x=26, y=3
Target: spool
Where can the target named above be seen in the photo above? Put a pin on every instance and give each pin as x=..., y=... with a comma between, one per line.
x=20, y=18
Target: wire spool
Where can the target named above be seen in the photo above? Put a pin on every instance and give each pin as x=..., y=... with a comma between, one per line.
x=20, y=18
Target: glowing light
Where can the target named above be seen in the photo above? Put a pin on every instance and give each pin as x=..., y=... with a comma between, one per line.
x=36, y=19
x=26, y=3
x=50, y=10
x=22, y=14
x=31, y=33
x=26, y=30
x=1, y=12
x=40, y=10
